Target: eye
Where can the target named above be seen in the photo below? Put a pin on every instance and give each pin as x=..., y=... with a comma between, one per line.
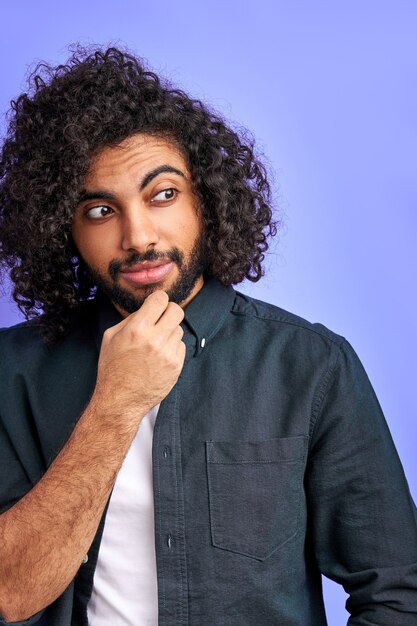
x=165, y=195
x=98, y=212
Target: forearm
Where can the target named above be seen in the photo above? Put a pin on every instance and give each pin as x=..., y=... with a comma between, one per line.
x=45, y=535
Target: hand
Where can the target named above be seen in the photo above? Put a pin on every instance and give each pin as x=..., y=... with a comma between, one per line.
x=141, y=358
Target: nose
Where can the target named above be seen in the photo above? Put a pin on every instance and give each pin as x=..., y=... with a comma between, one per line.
x=138, y=231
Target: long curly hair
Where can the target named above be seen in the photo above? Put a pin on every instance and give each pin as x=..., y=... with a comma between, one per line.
x=97, y=99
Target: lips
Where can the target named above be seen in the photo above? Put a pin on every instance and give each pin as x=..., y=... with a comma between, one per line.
x=148, y=272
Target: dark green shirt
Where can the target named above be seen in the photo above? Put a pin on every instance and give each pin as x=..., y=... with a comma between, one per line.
x=272, y=465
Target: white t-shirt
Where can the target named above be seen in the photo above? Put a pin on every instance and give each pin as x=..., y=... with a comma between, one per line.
x=125, y=581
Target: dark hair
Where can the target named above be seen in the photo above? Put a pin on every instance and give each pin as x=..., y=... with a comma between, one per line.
x=98, y=99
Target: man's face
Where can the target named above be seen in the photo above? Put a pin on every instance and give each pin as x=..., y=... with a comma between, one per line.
x=137, y=226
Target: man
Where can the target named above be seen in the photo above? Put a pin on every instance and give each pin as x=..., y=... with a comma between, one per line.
x=171, y=451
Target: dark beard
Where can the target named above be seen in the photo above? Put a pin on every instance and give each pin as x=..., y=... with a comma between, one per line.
x=178, y=292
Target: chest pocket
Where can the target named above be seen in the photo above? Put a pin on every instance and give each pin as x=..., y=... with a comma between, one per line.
x=254, y=493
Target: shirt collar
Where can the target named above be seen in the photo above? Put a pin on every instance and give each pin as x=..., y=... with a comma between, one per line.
x=204, y=315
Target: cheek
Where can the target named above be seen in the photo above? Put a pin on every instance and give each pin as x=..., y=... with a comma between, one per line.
x=195, y=232
x=93, y=246
x=188, y=228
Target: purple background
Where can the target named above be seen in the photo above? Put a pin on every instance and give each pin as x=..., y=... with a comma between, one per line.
x=330, y=92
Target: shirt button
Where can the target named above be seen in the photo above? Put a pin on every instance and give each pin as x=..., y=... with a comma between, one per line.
x=166, y=452
x=170, y=541
x=203, y=342
x=85, y=559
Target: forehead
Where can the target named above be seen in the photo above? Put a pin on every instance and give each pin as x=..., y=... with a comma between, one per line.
x=133, y=157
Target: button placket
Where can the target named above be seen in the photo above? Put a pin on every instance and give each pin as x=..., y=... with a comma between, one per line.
x=169, y=514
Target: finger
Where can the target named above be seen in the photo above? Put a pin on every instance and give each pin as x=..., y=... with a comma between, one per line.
x=148, y=314
x=176, y=335
x=153, y=307
x=181, y=352
x=170, y=319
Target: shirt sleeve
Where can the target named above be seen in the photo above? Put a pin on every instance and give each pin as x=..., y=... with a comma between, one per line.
x=362, y=517
x=14, y=481
x=14, y=484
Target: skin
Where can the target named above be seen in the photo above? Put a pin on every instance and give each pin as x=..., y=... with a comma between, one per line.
x=45, y=535
x=145, y=216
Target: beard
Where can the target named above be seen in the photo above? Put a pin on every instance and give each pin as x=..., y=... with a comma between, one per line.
x=188, y=274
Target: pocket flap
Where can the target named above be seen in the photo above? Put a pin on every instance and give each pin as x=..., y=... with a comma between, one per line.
x=268, y=451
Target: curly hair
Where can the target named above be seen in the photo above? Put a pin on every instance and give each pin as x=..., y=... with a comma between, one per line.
x=99, y=98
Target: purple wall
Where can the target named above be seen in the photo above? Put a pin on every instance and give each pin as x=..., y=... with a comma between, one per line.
x=330, y=92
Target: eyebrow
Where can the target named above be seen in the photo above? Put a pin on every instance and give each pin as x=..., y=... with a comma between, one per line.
x=106, y=195
x=162, y=169
x=95, y=195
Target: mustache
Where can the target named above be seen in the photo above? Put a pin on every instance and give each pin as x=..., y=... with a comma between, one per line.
x=115, y=267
